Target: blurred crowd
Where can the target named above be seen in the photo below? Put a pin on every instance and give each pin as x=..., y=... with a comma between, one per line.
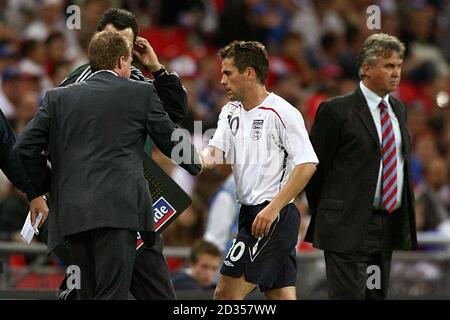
x=313, y=46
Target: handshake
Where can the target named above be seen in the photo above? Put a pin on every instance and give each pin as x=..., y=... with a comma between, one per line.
x=210, y=157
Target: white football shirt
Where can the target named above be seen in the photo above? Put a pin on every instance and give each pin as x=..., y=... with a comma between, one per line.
x=263, y=145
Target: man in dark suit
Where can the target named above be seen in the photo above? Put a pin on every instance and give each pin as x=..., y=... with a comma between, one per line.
x=95, y=132
x=361, y=197
x=151, y=277
x=12, y=168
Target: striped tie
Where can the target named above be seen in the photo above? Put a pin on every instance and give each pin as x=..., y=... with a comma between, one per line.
x=389, y=156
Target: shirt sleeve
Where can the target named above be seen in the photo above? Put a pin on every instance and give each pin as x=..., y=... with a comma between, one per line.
x=295, y=137
x=222, y=137
x=171, y=92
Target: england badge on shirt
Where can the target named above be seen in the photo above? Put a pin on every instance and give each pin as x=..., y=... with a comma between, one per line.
x=256, y=131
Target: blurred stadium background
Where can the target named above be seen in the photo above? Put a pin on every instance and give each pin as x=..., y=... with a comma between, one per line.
x=313, y=45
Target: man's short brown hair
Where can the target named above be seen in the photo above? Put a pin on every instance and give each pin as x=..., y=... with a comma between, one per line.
x=204, y=247
x=248, y=54
x=105, y=49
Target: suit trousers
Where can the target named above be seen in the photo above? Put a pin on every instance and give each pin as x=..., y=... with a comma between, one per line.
x=105, y=257
x=151, y=276
x=363, y=274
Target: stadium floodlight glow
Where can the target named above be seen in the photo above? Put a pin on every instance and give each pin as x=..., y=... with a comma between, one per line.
x=442, y=99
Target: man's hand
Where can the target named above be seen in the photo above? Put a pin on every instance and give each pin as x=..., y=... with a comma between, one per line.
x=37, y=205
x=263, y=221
x=211, y=156
x=145, y=53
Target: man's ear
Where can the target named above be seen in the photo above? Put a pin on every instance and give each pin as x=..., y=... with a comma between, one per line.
x=366, y=70
x=120, y=62
x=250, y=72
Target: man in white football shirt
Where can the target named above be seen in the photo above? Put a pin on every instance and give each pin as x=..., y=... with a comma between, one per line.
x=265, y=140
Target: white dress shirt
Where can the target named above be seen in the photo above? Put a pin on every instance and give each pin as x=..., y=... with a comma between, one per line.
x=373, y=100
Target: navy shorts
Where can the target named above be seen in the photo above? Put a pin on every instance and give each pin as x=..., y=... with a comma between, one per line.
x=269, y=262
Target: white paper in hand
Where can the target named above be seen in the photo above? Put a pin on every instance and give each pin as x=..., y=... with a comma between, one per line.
x=28, y=231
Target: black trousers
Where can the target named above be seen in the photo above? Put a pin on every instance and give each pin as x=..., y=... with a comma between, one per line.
x=363, y=274
x=105, y=257
x=151, y=276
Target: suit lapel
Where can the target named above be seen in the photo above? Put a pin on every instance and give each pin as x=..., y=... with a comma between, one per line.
x=366, y=116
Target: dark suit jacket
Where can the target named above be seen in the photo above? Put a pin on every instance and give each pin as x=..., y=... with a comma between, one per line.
x=169, y=88
x=341, y=192
x=95, y=132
